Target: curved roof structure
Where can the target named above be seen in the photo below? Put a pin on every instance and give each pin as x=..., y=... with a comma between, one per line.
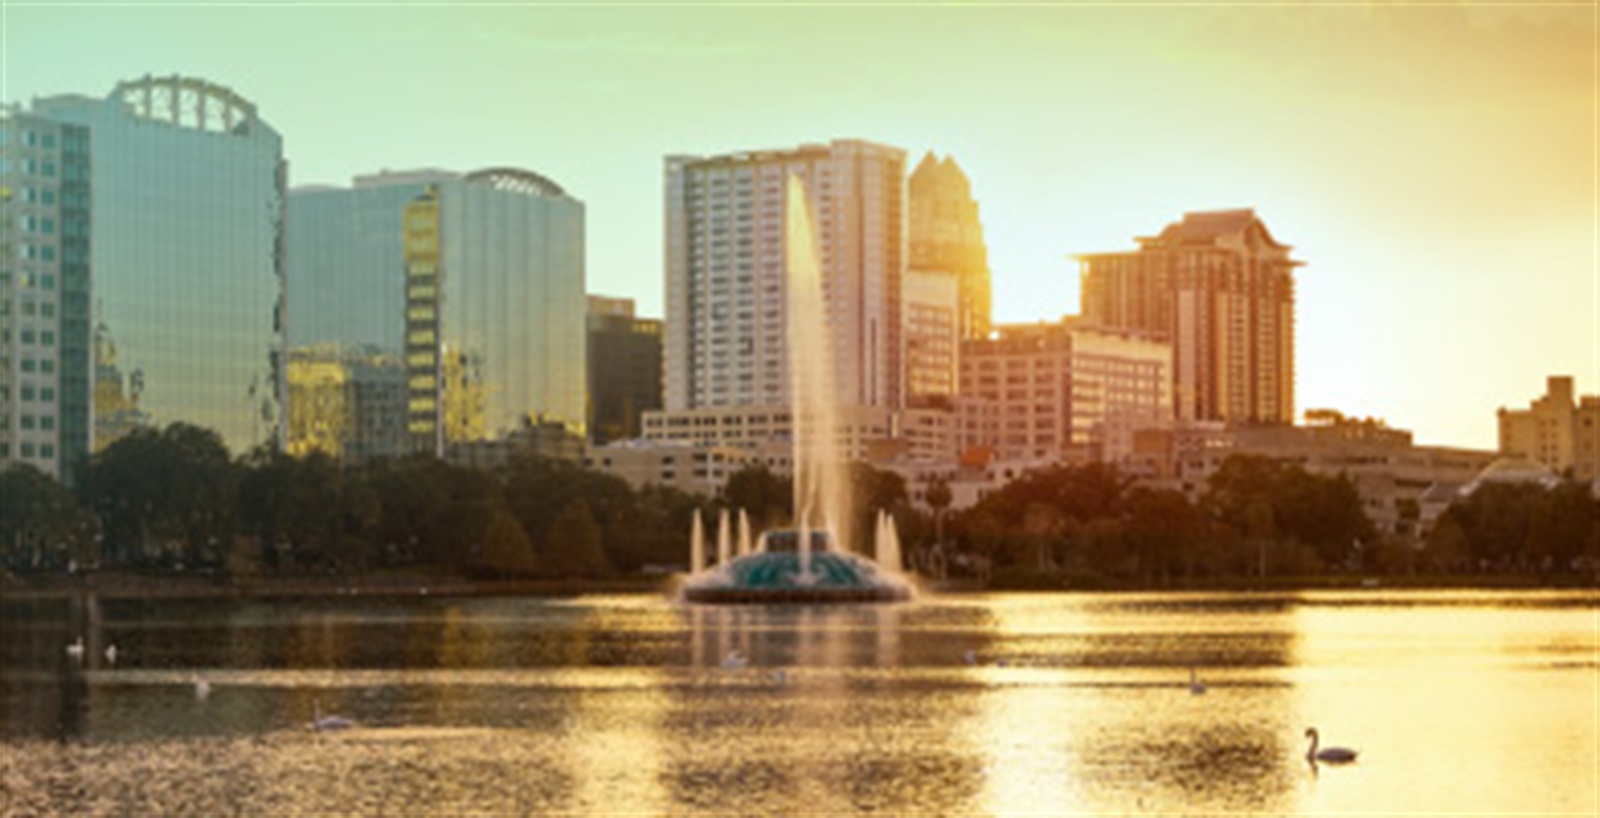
x=1513, y=469
x=515, y=180
x=187, y=102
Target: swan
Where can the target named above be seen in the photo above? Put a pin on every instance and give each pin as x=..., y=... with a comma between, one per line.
x=323, y=724
x=1195, y=687
x=75, y=650
x=111, y=654
x=735, y=660
x=1330, y=755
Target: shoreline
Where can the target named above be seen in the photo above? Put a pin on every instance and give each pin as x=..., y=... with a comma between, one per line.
x=141, y=587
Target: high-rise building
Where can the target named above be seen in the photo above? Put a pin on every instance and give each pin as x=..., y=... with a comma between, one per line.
x=726, y=282
x=186, y=222
x=624, y=369
x=466, y=288
x=44, y=293
x=946, y=236
x=1065, y=392
x=1220, y=290
x=1560, y=430
x=932, y=333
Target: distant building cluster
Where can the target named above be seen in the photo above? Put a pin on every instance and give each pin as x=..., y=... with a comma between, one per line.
x=159, y=267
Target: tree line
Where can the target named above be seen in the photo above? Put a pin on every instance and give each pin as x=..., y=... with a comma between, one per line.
x=1256, y=517
x=173, y=500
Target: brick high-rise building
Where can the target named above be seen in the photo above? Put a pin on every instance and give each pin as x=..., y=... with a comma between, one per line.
x=1220, y=289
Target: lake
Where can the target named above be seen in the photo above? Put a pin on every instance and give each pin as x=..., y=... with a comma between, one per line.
x=1458, y=702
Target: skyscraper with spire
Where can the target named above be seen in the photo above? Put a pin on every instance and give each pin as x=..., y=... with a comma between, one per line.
x=946, y=236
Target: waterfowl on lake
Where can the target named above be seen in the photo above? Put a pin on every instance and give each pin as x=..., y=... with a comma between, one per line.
x=1329, y=755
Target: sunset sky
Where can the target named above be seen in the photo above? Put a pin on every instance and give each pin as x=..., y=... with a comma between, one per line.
x=1433, y=166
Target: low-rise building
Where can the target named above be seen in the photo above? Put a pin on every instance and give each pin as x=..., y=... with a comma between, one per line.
x=1064, y=392
x=1397, y=481
x=687, y=466
x=755, y=426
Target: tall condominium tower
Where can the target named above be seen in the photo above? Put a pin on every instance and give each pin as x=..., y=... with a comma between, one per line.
x=1220, y=289
x=726, y=284
x=44, y=293
x=946, y=236
x=452, y=303
x=186, y=230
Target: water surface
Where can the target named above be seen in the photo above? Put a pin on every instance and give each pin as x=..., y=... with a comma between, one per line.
x=1459, y=702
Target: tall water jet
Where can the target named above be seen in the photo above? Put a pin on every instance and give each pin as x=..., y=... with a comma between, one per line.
x=744, y=533
x=821, y=476
x=724, y=539
x=697, y=545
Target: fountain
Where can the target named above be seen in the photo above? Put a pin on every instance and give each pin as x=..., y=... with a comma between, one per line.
x=805, y=564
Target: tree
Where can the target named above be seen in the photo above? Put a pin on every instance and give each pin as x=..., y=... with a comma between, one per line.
x=873, y=490
x=164, y=496
x=507, y=552
x=42, y=526
x=575, y=549
x=433, y=512
x=1285, y=509
x=307, y=512
x=938, y=498
x=1162, y=525
x=655, y=530
x=763, y=495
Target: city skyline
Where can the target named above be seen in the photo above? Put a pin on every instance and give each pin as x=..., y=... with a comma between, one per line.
x=1433, y=167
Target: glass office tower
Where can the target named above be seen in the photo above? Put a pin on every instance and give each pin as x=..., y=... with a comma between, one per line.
x=44, y=293
x=471, y=284
x=188, y=258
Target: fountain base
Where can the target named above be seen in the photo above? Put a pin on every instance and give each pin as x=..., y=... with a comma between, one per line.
x=795, y=596
x=784, y=578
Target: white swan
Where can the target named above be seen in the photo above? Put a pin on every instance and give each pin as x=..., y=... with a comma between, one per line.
x=1330, y=755
x=1195, y=687
x=75, y=650
x=735, y=660
x=323, y=724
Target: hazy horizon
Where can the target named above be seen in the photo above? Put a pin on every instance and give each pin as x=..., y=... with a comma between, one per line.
x=1435, y=167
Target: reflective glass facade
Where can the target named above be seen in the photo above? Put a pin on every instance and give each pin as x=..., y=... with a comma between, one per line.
x=188, y=254
x=475, y=282
x=44, y=293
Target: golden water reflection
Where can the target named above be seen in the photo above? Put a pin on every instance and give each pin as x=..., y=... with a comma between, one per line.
x=604, y=705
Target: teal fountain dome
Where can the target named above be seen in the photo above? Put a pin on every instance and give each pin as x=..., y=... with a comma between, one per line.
x=781, y=570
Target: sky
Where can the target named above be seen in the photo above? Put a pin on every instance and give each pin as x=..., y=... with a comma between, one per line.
x=1434, y=166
